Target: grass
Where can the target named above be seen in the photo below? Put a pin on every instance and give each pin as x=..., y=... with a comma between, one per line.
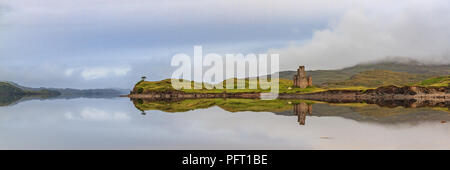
x=361, y=81
x=435, y=81
x=377, y=78
x=285, y=86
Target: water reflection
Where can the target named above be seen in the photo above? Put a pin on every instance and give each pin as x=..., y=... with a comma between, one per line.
x=381, y=112
x=301, y=110
x=219, y=124
x=9, y=100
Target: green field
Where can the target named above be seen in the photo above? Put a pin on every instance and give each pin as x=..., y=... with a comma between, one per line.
x=435, y=81
x=358, y=77
x=285, y=86
x=377, y=78
x=362, y=81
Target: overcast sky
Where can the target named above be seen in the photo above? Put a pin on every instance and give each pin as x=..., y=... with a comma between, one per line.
x=111, y=43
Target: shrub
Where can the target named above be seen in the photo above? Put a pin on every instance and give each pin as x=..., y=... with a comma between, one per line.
x=140, y=90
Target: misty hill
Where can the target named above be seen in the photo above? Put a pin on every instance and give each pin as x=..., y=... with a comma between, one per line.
x=91, y=93
x=411, y=67
x=10, y=94
x=75, y=93
x=7, y=88
x=377, y=78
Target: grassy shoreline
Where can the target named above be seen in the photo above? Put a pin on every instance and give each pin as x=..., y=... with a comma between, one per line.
x=285, y=86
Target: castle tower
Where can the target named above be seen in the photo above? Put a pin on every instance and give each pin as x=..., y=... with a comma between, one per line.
x=300, y=80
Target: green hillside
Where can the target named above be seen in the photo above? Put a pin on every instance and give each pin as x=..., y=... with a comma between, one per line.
x=361, y=76
x=285, y=86
x=435, y=81
x=412, y=67
x=8, y=89
x=376, y=78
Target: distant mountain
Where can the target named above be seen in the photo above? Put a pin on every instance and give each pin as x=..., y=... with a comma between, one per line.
x=377, y=78
x=90, y=93
x=412, y=67
x=77, y=92
x=8, y=88
x=10, y=93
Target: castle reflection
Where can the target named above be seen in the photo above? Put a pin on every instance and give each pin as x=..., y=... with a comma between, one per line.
x=301, y=110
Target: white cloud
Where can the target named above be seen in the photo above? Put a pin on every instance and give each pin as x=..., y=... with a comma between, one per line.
x=92, y=73
x=417, y=30
x=69, y=72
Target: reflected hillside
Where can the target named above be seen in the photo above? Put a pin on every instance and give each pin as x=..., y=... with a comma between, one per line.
x=6, y=100
x=384, y=112
x=381, y=114
x=231, y=105
x=9, y=100
x=12, y=93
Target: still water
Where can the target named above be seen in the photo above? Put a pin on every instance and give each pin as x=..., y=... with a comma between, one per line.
x=116, y=123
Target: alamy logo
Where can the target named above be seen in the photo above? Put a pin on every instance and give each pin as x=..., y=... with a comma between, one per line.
x=254, y=68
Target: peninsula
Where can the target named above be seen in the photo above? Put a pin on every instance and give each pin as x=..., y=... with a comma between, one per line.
x=367, y=85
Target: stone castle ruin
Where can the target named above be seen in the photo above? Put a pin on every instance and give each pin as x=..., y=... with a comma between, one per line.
x=301, y=80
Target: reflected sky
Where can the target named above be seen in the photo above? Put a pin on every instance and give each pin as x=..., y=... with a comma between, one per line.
x=117, y=124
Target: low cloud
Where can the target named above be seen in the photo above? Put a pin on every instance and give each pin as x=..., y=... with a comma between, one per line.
x=418, y=30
